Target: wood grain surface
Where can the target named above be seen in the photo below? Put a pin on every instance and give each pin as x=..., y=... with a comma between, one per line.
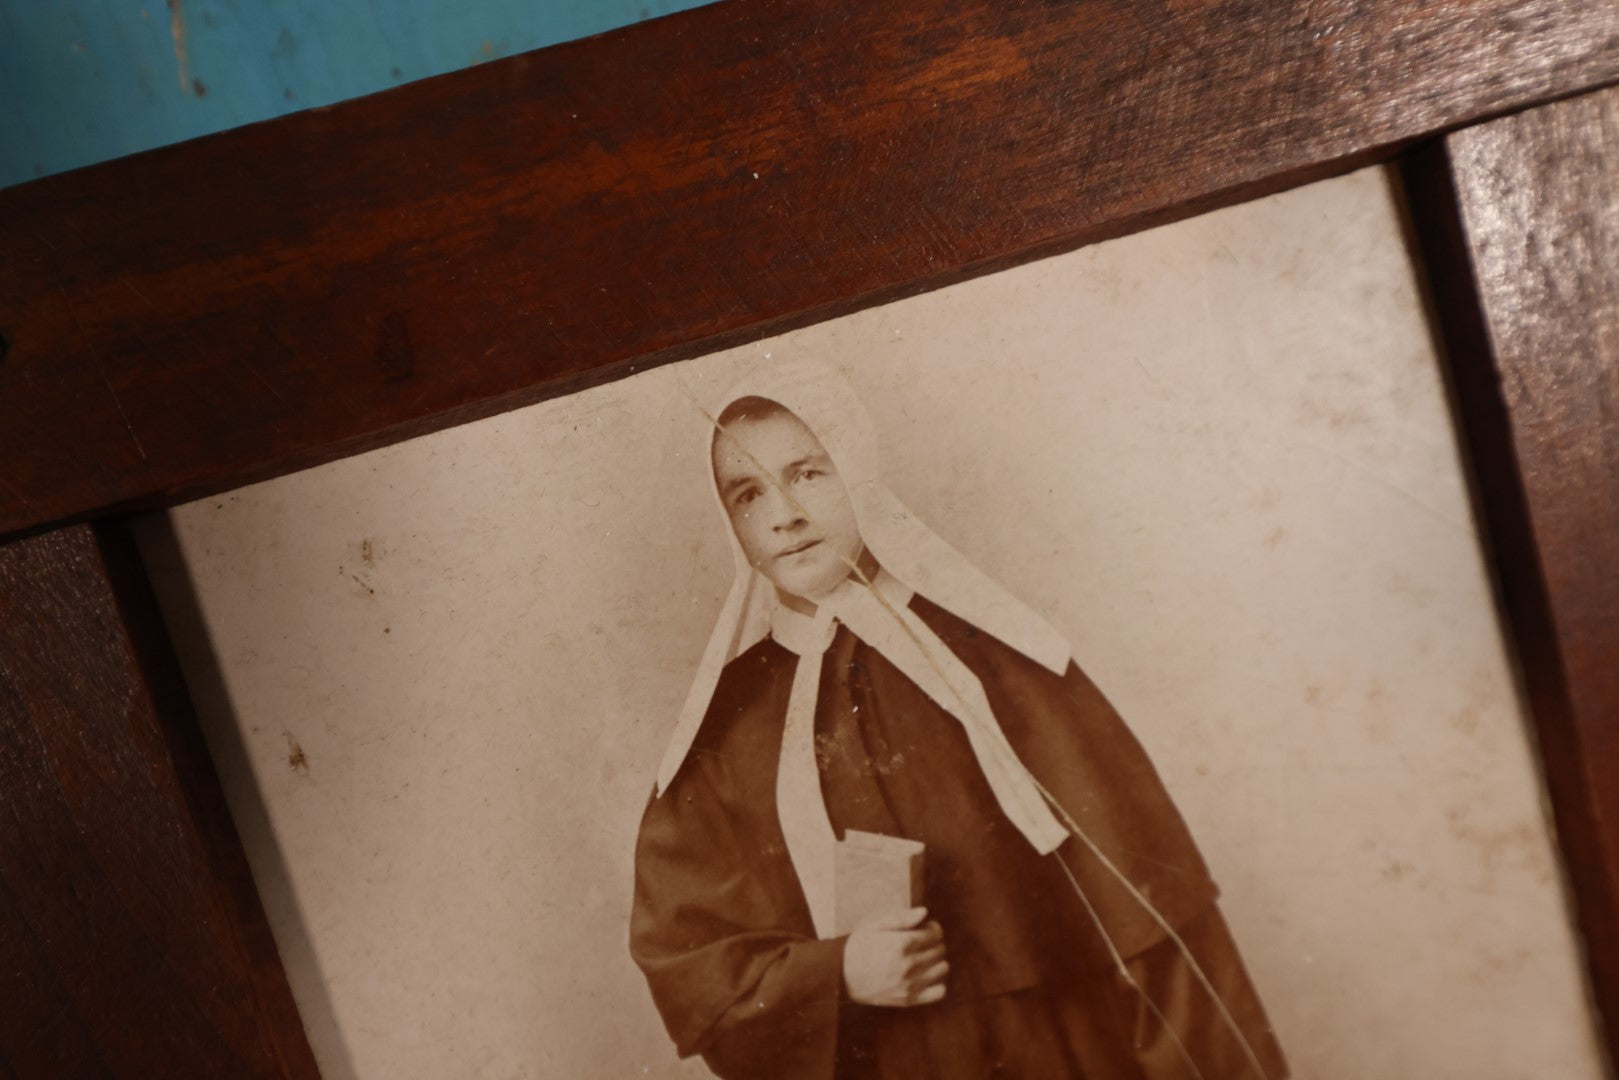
x=131, y=938
x=191, y=319
x=1520, y=225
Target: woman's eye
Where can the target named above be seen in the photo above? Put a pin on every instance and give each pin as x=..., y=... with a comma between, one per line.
x=810, y=474
x=747, y=496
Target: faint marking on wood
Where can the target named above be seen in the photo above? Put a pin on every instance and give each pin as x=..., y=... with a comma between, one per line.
x=123, y=415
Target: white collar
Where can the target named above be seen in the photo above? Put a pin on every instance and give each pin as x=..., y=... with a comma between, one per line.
x=809, y=635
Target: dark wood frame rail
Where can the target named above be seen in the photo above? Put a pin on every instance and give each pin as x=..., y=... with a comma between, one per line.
x=185, y=321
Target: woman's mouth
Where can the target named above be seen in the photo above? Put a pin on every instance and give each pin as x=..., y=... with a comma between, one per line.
x=796, y=548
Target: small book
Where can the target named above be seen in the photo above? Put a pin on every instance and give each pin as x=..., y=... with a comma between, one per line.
x=875, y=875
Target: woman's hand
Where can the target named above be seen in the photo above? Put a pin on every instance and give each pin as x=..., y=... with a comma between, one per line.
x=896, y=960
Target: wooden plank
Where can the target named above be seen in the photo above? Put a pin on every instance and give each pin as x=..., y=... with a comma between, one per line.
x=132, y=936
x=191, y=319
x=1520, y=223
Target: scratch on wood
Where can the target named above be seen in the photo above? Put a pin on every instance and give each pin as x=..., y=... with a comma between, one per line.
x=177, y=30
x=119, y=405
x=130, y=285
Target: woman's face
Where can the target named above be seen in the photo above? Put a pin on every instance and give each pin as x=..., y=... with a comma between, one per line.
x=788, y=506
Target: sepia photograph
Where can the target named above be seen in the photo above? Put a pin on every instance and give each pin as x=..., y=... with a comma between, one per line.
x=1090, y=670
x=838, y=704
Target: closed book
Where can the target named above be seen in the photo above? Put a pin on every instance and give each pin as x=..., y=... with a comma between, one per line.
x=875, y=875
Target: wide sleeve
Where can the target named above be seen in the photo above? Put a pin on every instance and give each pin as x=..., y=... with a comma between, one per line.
x=725, y=944
x=1138, y=864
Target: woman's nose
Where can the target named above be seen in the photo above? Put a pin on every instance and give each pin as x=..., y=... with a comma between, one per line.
x=784, y=512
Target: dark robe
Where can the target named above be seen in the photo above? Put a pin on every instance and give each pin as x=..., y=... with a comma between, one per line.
x=723, y=934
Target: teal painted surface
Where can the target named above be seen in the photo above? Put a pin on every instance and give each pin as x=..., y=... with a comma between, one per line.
x=86, y=80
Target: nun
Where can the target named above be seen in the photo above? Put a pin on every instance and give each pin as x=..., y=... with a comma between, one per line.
x=862, y=675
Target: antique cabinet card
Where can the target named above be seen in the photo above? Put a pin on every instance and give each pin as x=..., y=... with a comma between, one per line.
x=438, y=679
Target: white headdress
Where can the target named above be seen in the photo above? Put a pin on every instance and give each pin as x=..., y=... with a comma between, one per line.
x=913, y=558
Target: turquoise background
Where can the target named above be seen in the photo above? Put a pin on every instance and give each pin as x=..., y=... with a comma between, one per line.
x=86, y=80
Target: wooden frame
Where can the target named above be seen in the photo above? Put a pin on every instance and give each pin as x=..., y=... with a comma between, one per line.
x=185, y=321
